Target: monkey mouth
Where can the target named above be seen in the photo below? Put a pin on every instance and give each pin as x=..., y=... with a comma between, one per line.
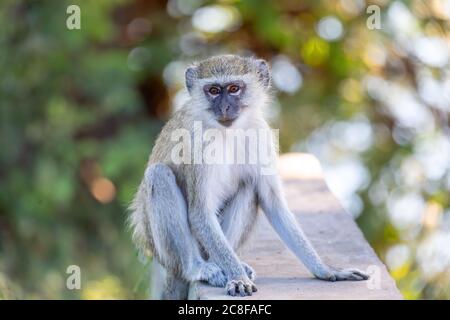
x=226, y=122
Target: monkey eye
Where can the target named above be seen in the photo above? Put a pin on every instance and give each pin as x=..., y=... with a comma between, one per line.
x=214, y=91
x=233, y=88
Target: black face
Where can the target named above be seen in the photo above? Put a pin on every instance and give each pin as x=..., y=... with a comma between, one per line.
x=225, y=100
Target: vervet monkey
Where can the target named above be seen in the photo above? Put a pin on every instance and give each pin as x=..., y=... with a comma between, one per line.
x=193, y=216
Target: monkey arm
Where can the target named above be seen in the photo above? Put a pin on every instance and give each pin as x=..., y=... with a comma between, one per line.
x=208, y=232
x=274, y=205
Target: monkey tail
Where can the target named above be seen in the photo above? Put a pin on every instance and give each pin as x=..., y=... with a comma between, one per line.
x=138, y=223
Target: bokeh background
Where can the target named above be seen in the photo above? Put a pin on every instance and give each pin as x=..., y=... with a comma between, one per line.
x=80, y=110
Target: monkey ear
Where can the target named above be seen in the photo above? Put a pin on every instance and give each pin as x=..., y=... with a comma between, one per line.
x=263, y=72
x=191, y=76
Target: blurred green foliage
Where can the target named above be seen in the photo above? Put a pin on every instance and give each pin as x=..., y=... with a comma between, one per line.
x=80, y=109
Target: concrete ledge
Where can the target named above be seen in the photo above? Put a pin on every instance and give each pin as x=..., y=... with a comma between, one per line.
x=331, y=230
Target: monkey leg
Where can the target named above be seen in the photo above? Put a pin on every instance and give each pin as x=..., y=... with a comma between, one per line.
x=174, y=245
x=239, y=219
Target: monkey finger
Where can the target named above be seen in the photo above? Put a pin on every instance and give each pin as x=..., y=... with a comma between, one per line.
x=348, y=275
x=354, y=276
x=248, y=289
x=231, y=291
x=231, y=288
x=241, y=288
x=254, y=289
x=361, y=274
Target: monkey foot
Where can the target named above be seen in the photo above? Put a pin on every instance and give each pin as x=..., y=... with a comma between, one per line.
x=243, y=287
x=350, y=274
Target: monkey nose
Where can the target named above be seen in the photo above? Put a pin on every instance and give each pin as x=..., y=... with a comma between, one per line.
x=225, y=109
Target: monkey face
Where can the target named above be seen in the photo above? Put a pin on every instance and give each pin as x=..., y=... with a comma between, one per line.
x=225, y=88
x=225, y=100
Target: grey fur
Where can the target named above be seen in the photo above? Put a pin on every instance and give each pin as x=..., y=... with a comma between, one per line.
x=193, y=217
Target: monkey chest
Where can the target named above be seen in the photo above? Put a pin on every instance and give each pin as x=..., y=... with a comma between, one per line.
x=224, y=182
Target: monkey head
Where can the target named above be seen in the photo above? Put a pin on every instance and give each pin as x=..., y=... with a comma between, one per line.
x=228, y=86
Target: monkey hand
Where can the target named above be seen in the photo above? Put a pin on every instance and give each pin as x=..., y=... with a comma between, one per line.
x=242, y=286
x=335, y=274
